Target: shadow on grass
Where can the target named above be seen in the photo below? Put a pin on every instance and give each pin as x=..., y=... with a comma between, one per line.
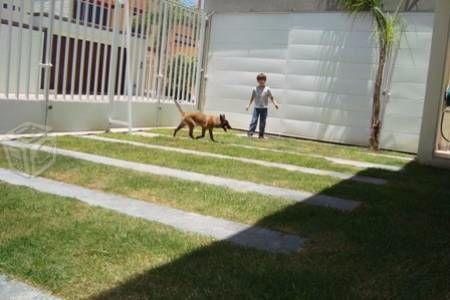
x=396, y=245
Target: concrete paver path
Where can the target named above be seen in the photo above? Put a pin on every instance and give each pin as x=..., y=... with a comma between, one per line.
x=237, y=185
x=221, y=229
x=263, y=163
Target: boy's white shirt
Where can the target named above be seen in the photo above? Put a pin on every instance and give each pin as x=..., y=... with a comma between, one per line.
x=261, y=96
x=252, y=99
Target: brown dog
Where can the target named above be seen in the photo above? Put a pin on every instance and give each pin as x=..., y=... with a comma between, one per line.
x=193, y=119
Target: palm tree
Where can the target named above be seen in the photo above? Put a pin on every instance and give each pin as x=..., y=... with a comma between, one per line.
x=387, y=26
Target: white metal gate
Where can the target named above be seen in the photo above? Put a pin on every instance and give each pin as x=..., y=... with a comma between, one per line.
x=116, y=51
x=322, y=73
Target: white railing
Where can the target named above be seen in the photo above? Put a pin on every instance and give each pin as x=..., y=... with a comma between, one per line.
x=83, y=50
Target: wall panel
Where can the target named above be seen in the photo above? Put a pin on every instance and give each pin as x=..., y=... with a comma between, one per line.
x=321, y=68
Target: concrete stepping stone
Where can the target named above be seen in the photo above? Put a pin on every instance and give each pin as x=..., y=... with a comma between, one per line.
x=146, y=134
x=348, y=162
x=409, y=159
x=372, y=154
x=233, y=184
x=11, y=289
x=287, y=167
x=221, y=229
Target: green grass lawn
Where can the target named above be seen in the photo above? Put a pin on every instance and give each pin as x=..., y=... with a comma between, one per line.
x=395, y=246
x=229, y=149
x=189, y=196
x=215, y=166
x=74, y=250
x=302, y=146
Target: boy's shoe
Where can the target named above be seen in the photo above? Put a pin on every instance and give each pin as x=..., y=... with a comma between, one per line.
x=249, y=134
x=262, y=138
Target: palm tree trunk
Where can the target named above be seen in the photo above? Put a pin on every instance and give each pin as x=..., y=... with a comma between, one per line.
x=375, y=129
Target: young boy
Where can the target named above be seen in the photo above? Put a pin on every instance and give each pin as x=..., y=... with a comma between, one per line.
x=261, y=95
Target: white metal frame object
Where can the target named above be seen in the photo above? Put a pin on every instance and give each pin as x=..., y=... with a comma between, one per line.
x=47, y=65
x=123, y=5
x=117, y=51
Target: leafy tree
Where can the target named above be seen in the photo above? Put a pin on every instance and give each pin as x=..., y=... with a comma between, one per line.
x=387, y=27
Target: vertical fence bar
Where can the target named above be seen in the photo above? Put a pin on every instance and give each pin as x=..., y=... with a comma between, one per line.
x=113, y=58
x=154, y=29
x=66, y=56
x=197, y=47
x=182, y=56
x=97, y=56
x=134, y=58
x=178, y=59
x=19, y=49
x=105, y=48
x=166, y=49
x=161, y=58
x=91, y=49
x=148, y=24
x=41, y=46
x=159, y=37
x=30, y=48
x=175, y=58
x=75, y=46
x=185, y=56
x=8, y=51
x=58, y=51
x=192, y=45
x=83, y=50
x=195, y=62
x=140, y=34
x=167, y=70
x=199, y=72
x=128, y=46
x=152, y=46
x=122, y=56
x=147, y=30
x=128, y=66
x=171, y=53
x=48, y=57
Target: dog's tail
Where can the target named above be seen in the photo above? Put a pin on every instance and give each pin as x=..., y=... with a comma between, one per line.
x=179, y=107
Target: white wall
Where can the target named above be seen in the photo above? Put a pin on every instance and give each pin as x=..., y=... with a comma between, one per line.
x=83, y=116
x=321, y=68
x=438, y=77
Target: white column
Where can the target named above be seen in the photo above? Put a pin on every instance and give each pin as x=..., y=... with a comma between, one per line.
x=435, y=86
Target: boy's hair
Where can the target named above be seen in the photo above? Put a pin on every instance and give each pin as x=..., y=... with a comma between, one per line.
x=261, y=76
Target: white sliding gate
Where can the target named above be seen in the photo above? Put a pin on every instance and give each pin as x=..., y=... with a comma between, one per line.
x=321, y=68
x=111, y=51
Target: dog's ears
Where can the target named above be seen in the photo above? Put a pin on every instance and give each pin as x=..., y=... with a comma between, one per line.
x=222, y=118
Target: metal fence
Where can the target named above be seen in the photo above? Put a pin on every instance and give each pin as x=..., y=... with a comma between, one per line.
x=86, y=50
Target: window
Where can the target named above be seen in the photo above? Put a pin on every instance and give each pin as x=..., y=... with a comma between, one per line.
x=90, y=12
